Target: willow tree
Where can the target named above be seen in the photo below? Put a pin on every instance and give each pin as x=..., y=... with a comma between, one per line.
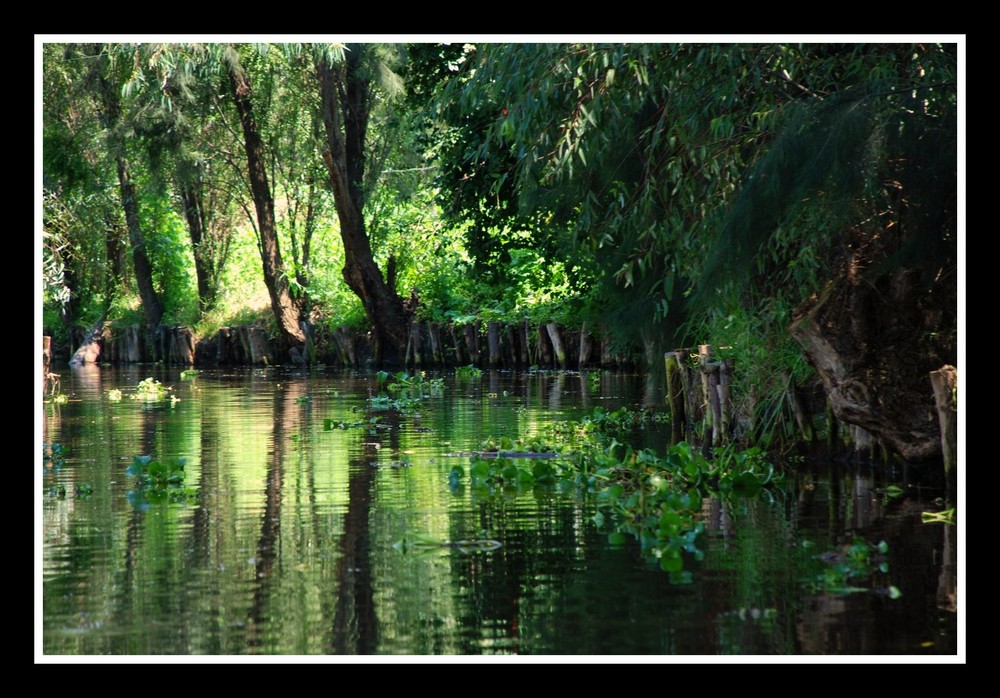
x=84, y=233
x=107, y=77
x=690, y=167
x=349, y=91
x=851, y=214
x=286, y=310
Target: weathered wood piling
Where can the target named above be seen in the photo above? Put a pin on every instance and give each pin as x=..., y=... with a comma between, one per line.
x=944, y=383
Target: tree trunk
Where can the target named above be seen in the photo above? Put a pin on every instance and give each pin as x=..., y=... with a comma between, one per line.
x=346, y=97
x=110, y=114
x=286, y=311
x=851, y=396
x=195, y=216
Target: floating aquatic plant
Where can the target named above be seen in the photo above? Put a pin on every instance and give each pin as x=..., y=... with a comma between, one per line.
x=156, y=480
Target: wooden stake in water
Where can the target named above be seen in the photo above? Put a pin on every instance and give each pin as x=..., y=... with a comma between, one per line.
x=675, y=395
x=944, y=383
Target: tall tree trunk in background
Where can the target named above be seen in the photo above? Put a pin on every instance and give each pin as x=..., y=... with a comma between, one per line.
x=346, y=100
x=286, y=311
x=140, y=260
x=114, y=250
x=110, y=113
x=195, y=216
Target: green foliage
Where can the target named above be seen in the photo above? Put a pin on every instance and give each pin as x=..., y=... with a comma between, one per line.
x=151, y=390
x=622, y=420
x=169, y=250
x=753, y=335
x=469, y=371
x=157, y=481
x=405, y=393
x=642, y=153
x=641, y=495
x=947, y=516
x=845, y=568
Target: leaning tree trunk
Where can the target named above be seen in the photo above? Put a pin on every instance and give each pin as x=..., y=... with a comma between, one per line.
x=872, y=343
x=345, y=96
x=286, y=311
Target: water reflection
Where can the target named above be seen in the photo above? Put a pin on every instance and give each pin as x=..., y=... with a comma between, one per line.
x=303, y=490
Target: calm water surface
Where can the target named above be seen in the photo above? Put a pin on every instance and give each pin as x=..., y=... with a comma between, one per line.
x=288, y=542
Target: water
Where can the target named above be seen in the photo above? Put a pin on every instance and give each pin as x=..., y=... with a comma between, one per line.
x=289, y=542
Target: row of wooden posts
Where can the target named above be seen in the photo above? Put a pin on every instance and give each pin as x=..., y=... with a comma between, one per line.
x=698, y=385
x=508, y=345
x=699, y=395
x=102, y=343
x=430, y=345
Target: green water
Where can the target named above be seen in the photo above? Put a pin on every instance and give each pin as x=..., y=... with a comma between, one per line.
x=287, y=543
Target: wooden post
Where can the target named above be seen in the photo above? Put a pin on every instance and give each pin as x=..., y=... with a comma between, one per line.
x=459, y=351
x=493, y=343
x=345, y=342
x=472, y=342
x=944, y=383
x=523, y=349
x=182, y=345
x=437, y=350
x=586, y=347
x=222, y=346
x=415, y=346
x=704, y=355
x=725, y=391
x=862, y=439
x=163, y=336
x=557, y=345
x=606, y=359
x=675, y=395
x=173, y=347
x=133, y=344
x=243, y=335
x=801, y=418
x=691, y=381
x=509, y=344
x=712, y=369
x=260, y=351
x=544, y=347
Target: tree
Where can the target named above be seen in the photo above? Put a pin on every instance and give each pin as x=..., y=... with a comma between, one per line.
x=691, y=167
x=84, y=251
x=106, y=77
x=348, y=94
x=286, y=309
